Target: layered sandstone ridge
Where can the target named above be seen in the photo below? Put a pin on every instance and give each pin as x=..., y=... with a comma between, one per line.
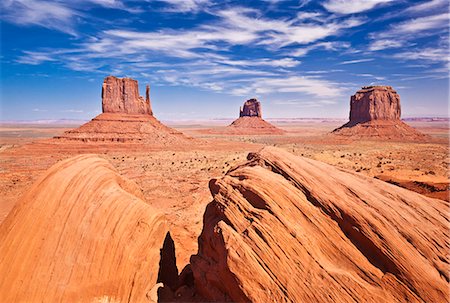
x=287, y=229
x=122, y=96
x=126, y=118
x=375, y=113
x=80, y=234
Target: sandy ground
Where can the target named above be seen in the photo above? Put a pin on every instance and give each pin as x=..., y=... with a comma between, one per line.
x=175, y=179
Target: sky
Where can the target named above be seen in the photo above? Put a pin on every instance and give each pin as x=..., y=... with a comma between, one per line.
x=204, y=58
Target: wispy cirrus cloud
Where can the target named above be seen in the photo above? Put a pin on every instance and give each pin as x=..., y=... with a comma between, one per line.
x=426, y=6
x=56, y=15
x=398, y=34
x=277, y=33
x=328, y=45
x=427, y=54
x=235, y=27
x=184, y=6
x=283, y=62
x=49, y=14
x=404, y=33
x=35, y=58
x=352, y=7
x=111, y=4
x=378, y=78
x=417, y=25
x=385, y=44
x=314, y=86
x=201, y=55
x=356, y=61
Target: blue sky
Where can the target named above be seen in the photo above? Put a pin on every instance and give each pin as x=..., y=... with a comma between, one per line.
x=204, y=58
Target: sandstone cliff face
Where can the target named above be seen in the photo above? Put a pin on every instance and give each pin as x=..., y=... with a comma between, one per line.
x=80, y=234
x=252, y=108
x=375, y=103
x=288, y=229
x=375, y=114
x=122, y=96
x=126, y=118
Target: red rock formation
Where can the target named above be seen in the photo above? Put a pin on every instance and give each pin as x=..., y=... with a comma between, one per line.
x=123, y=128
x=122, y=96
x=250, y=122
x=252, y=108
x=80, y=234
x=283, y=228
x=374, y=103
x=126, y=117
x=375, y=113
x=252, y=126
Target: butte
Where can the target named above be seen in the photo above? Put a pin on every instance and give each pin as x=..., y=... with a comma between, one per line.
x=250, y=121
x=375, y=114
x=125, y=117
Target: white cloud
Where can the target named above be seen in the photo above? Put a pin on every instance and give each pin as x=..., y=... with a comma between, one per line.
x=329, y=46
x=310, y=16
x=318, y=72
x=201, y=56
x=235, y=27
x=52, y=15
x=421, y=24
x=352, y=7
x=427, y=6
x=107, y=3
x=285, y=62
x=111, y=4
x=384, y=44
x=356, y=61
x=379, y=78
x=402, y=34
x=35, y=58
x=414, y=28
x=294, y=84
x=184, y=6
x=427, y=54
x=277, y=33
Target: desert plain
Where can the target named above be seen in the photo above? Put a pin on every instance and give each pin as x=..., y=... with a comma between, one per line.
x=175, y=178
